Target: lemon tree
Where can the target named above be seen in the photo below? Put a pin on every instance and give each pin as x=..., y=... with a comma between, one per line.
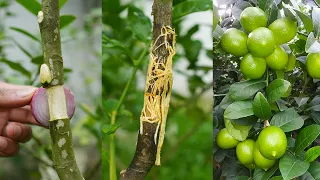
x=268, y=99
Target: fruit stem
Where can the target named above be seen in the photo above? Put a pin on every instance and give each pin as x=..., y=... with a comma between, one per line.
x=266, y=124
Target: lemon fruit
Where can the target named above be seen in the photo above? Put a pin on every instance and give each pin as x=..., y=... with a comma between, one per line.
x=261, y=42
x=234, y=42
x=272, y=142
x=252, y=18
x=261, y=161
x=313, y=65
x=224, y=140
x=278, y=60
x=244, y=151
x=284, y=30
x=252, y=67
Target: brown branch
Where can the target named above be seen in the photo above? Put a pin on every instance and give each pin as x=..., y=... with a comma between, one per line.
x=157, y=94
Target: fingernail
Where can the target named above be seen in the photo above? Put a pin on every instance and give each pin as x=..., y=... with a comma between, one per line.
x=17, y=131
x=3, y=143
x=22, y=93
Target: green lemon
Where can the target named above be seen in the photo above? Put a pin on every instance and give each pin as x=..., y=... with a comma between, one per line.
x=278, y=60
x=272, y=142
x=261, y=161
x=224, y=140
x=284, y=30
x=244, y=151
x=234, y=42
x=261, y=42
x=253, y=17
x=313, y=65
x=252, y=67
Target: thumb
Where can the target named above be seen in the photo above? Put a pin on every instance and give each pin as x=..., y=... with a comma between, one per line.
x=13, y=96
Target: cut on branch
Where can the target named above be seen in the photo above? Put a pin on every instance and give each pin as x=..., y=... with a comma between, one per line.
x=51, y=76
x=157, y=94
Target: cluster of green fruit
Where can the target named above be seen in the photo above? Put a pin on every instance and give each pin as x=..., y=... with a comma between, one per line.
x=263, y=153
x=261, y=48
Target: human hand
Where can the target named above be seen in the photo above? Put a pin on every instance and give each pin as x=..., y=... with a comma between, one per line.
x=15, y=113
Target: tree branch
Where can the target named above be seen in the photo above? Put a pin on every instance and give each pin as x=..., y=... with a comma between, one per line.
x=52, y=78
x=157, y=94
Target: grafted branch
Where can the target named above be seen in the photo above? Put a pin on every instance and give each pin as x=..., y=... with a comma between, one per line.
x=157, y=94
x=51, y=76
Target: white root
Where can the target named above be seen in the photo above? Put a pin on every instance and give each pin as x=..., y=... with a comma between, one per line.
x=158, y=88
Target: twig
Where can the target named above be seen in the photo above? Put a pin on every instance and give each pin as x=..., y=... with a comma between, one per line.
x=113, y=169
x=53, y=79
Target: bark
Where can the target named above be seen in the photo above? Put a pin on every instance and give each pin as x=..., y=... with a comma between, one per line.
x=157, y=94
x=59, y=124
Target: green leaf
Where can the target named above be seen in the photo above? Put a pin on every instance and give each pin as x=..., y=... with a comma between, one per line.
x=17, y=67
x=139, y=24
x=306, y=136
x=316, y=21
x=288, y=11
x=277, y=89
x=314, y=105
x=312, y=154
x=112, y=43
x=22, y=31
x=262, y=174
x=109, y=129
x=316, y=117
x=32, y=6
x=65, y=20
x=237, y=131
x=312, y=44
x=62, y=2
x=245, y=121
x=238, y=7
x=218, y=32
x=37, y=60
x=261, y=107
x=245, y=89
x=191, y=6
x=307, y=21
x=276, y=178
x=22, y=49
x=301, y=100
x=216, y=17
x=109, y=105
x=238, y=110
x=290, y=167
x=314, y=170
x=288, y=120
x=239, y=178
x=223, y=2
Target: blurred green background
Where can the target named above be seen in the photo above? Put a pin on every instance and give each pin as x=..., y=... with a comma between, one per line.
x=187, y=149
